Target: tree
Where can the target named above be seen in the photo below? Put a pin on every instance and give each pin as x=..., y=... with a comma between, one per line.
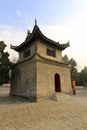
x=66, y=59
x=80, y=77
x=5, y=64
x=73, y=68
x=83, y=77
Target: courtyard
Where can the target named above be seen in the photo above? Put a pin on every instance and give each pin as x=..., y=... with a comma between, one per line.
x=68, y=112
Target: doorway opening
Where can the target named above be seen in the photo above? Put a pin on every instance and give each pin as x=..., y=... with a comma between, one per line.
x=57, y=83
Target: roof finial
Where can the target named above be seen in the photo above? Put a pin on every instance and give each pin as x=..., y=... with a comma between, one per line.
x=35, y=21
x=28, y=32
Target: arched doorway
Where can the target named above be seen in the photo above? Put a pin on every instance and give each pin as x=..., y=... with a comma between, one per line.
x=57, y=83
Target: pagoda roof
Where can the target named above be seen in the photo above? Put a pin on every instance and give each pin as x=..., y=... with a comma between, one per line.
x=37, y=34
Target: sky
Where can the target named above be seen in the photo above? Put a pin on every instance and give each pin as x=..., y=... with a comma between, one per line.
x=59, y=20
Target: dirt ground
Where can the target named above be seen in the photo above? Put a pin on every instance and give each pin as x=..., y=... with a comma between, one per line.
x=68, y=112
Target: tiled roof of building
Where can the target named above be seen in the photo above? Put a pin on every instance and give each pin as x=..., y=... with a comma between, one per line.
x=37, y=34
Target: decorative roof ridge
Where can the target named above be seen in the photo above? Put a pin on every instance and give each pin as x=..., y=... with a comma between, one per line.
x=37, y=34
x=65, y=45
x=13, y=47
x=28, y=35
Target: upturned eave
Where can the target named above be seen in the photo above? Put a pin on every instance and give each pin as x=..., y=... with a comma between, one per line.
x=37, y=34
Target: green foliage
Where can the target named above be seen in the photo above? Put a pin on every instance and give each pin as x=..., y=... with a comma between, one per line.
x=73, y=68
x=83, y=77
x=2, y=46
x=80, y=77
x=66, y=59
x=5, y=64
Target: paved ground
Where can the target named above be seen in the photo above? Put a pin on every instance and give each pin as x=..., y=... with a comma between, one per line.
x=67, y=113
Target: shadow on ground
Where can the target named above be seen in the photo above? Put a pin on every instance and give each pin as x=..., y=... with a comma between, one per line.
x=13, y=100
x=5, y=98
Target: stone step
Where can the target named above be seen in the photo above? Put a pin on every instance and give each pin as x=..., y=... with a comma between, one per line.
x=62, y=96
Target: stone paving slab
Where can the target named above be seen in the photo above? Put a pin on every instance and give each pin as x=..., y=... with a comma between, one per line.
x=66, y=113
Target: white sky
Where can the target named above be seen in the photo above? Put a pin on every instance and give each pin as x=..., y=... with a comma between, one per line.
x=62, y=20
